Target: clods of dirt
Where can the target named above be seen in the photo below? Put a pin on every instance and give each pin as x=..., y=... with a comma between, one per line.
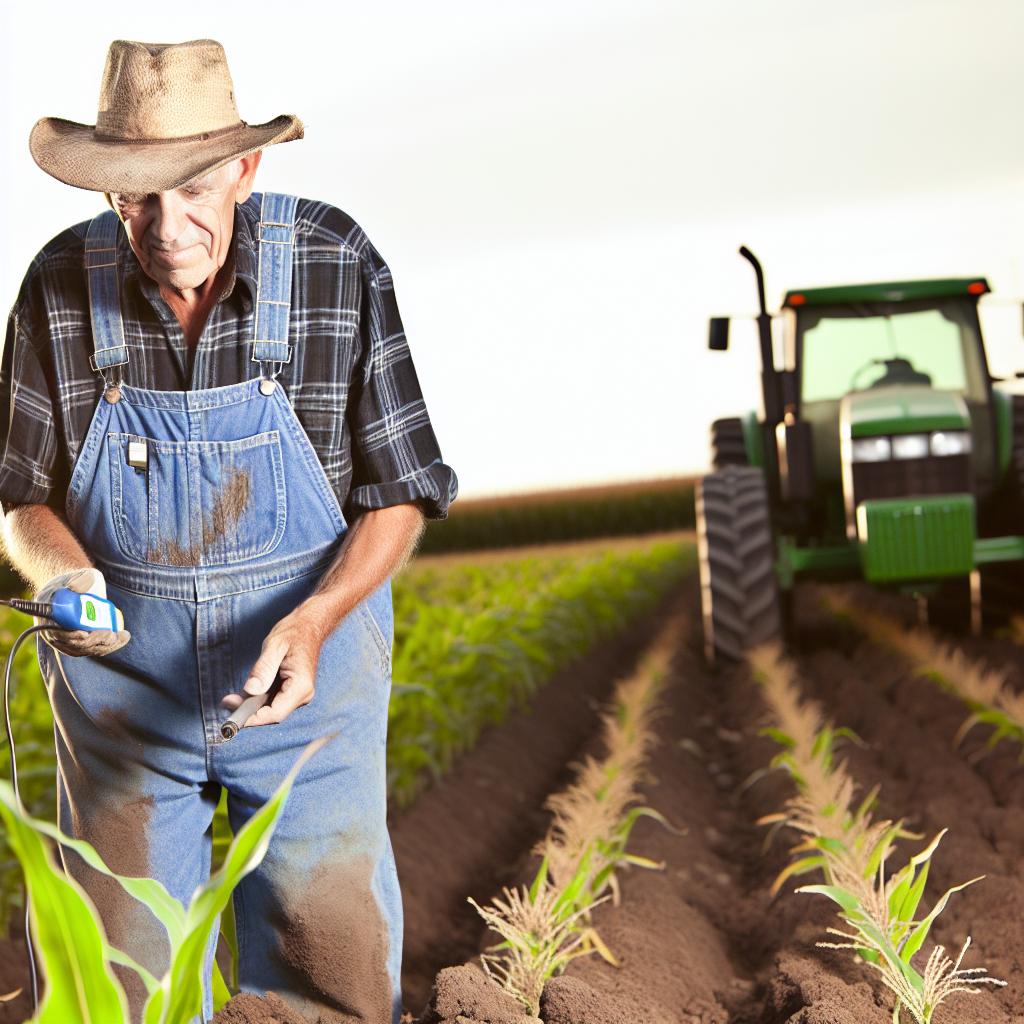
x=568, y=1000
x=465, y=995
x=248, y=1008
x=803, y=991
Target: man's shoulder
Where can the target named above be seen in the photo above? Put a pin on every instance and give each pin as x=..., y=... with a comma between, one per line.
x=321, y=223
x=54, y=270
x=64, y=248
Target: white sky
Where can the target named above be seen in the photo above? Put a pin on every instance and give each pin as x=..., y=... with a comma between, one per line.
x=560, y=188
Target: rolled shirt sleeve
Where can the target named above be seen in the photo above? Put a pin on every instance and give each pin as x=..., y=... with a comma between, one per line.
x=395, y=454
x=28, y=468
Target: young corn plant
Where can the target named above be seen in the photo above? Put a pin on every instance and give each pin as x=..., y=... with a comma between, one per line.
x=72, y=947
x=840, y=839
x=546, y=926
x=984, y=690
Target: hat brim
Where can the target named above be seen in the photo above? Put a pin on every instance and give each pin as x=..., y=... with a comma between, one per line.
x=71, y=152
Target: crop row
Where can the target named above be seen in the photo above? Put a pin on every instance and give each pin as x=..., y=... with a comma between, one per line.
x=612, y=510
x=840, y=839
x=546, y=925
x=474, y=641
x=985, y=691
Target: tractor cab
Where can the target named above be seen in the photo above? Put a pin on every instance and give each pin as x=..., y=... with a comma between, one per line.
x=892, y=380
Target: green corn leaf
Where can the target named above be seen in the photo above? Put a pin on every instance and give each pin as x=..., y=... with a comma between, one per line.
x=181, y=995
x=881, y=848
x=643, y=862
x=539, y=880
x=69, y=939
x=569, y=898
x=845, y=900
x=834, y=846
x=168, y=911
x=920, y=933
x=779, y=736
x=589, y=935
x=229, y=929
x=867, y=803
x=798, y=867
x=905, y=909
x=625, y=827
x=221, y=992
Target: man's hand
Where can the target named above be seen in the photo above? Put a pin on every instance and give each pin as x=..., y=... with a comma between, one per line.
x=291, y=651
x=86, y=642
x=81, y=642
x=376, y=546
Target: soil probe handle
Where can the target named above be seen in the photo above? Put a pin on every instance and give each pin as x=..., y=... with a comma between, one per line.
x=230, y=726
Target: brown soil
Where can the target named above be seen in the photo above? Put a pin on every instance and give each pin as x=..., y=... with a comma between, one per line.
x=701, y=941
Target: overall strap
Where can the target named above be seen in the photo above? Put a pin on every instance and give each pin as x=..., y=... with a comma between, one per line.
x=273, y=280
x=109, y=348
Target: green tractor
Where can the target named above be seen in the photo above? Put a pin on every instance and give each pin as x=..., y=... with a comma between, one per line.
x=885, y=452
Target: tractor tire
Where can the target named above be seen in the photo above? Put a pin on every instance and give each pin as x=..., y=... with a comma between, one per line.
x=728, y=447
x=740, y=601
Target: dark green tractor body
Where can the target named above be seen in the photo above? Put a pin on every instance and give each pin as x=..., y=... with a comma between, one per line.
x=884, y=451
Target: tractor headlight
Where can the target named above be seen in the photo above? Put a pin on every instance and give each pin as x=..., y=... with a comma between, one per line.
x=871, y=449
x=910, y=446
x=951, y=442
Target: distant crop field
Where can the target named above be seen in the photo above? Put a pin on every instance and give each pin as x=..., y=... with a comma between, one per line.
x=545, y=517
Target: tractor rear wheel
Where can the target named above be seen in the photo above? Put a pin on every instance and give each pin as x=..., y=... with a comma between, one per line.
x=728, y=447
x=740, y=600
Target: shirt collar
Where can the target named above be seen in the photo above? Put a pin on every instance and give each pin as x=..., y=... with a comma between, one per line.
x=242, y=258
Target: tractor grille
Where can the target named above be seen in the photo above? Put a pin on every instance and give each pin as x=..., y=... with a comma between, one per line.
x=905, y=478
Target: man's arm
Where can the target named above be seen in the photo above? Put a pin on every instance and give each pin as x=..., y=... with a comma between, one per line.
x=398, y=479
x=379, y=545
x=40, y=544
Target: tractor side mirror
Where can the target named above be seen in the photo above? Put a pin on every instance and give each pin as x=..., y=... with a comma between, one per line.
x=718, y=333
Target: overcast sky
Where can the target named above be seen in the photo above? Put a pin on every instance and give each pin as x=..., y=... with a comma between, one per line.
x=560, y=188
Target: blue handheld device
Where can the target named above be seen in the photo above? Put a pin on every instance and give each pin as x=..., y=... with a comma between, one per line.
x=71, y=610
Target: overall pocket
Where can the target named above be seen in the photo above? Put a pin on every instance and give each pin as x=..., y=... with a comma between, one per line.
x=197, y=502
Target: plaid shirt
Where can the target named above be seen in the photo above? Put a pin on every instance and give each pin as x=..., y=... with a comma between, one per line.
x=351, y=378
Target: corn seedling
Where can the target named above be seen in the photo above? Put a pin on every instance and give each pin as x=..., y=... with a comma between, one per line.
x=984, y=690
x=546, y=926
x=840, y=839
x=74, y=953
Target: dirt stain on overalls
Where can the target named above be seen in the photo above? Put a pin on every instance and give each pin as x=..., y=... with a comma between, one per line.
x=336, y=940
x=227, y=509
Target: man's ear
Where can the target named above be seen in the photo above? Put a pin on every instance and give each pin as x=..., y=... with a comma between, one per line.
x=247, y=175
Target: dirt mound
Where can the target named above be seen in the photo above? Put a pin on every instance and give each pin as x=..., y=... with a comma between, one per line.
x=247, y=1008
x=465, y=995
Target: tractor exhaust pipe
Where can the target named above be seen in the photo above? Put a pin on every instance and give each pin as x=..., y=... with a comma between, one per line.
x=770, y=378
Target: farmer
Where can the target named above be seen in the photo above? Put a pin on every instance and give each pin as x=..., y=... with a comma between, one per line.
x=212, y=417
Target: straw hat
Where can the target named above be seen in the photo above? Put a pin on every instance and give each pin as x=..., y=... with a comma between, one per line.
x=166, y=115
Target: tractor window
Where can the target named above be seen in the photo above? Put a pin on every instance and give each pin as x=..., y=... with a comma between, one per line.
x=846, y=350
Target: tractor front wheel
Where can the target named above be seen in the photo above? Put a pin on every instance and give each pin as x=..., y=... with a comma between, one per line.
x=740, y=601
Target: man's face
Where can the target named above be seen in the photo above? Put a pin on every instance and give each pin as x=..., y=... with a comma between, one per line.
x=182, y=237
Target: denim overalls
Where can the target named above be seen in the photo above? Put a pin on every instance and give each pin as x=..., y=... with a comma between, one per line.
x=211, y=518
